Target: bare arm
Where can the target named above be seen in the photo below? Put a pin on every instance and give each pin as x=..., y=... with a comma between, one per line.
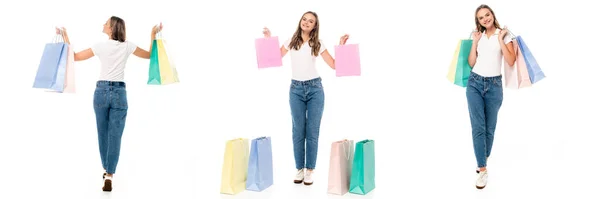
x=508, y=52
x=283, y=51
x=141, y=53
x=473, y=54
x=79, y=56
x=328, y=59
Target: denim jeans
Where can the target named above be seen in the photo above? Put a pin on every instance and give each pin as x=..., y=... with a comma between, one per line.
x=306, y=101
x=110, y=106
x=484, y=96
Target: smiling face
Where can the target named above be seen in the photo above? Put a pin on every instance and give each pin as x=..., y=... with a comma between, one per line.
x=308, y=22
x=485, y=18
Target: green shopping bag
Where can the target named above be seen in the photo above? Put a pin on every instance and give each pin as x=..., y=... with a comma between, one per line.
x=463, y=69
x=154, y=71
x=362, y=180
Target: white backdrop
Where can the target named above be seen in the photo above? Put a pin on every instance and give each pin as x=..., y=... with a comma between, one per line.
x=175, y=135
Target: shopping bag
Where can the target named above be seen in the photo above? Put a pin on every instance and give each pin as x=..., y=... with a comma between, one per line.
x=452, y=71
x=59, y=82
x=347, y=60
x=268, y=52
x=260, y=165
x=235, y=166
x=53, y=57
x=516, y=76
x=340, y=167
x=171, y=56
x=533, y=68
x=154, y=70
x=463, y=69
x=362, y=180
x=70, y=72
x=167, y=74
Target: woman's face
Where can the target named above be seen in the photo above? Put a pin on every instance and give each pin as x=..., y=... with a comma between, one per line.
x=107, y=30
x=485, y=18
x=308, y=22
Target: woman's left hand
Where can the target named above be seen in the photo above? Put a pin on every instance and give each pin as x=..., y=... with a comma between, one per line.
x=502, y=34
x=343, y=39
x=157, y=29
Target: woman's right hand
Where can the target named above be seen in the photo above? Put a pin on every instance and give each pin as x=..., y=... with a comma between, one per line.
x=476, y=36
x=266, y=32
x=61, y=31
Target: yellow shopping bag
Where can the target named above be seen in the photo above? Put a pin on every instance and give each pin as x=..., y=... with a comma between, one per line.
x=168, y=73
x=452, y=71
x=235, y=166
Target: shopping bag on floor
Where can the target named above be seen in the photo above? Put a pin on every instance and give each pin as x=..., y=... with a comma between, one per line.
x=516, y=76
x=533, y=68
x=460, y=69
x=235, y=166
x=260, y=165
x=340, y=167
x=362, y=180
x=347, y=60
x=268, y=52
x=51, y=70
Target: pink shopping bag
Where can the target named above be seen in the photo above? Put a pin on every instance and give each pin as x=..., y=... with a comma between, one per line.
x=70, y=73
x=340, y=167
x=347, y=60
x=268, y=53
x=516, y=76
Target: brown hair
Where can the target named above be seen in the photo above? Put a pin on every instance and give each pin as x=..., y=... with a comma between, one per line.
x=480, y=28
x=117, y=28
x=313, y=42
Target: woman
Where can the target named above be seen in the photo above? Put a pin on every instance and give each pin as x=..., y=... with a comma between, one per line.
x=306, y=92
x=110, y=97
x=484, y=89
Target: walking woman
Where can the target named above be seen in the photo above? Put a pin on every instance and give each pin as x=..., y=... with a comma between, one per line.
x=110, y=96
x=484, y=89
x=307, y=98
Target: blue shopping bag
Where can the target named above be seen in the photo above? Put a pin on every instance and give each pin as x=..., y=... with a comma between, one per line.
x=260, y=165
x=533, y=68
x=52, y=65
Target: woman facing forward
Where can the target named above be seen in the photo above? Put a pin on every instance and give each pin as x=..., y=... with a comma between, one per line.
x=306, y=92
x=484, y=89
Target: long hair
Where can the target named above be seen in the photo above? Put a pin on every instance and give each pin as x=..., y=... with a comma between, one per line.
x=313, y=41
x=480, y=28
x=117, y=26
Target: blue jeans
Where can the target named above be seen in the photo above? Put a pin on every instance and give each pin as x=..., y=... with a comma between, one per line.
x=484, y=96
x=110, y=106
x=306, y=101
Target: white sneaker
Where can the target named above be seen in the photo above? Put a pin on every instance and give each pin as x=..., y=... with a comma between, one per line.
x=299, y=176
x=308, y=177
x=481, y=179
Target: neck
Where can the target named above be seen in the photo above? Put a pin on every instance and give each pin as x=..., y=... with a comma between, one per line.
x=491, y=30
x=305, y=35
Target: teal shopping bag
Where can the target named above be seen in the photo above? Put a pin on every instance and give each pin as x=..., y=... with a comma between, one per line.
x=154, y=71
x=463, y=69
x=362, y=180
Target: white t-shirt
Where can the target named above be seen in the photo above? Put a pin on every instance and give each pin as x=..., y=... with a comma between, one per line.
x=113, y=57
x=303, y=62
x=489, y=55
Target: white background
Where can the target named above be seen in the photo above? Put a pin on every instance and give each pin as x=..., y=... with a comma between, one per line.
x=173, y=144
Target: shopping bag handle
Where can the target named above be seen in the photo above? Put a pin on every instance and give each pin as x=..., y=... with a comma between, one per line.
x=346, y=151
x=57, y=36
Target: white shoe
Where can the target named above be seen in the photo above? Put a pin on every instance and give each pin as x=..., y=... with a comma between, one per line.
x=308, y=177
x=299, y=176
x=481, y=179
